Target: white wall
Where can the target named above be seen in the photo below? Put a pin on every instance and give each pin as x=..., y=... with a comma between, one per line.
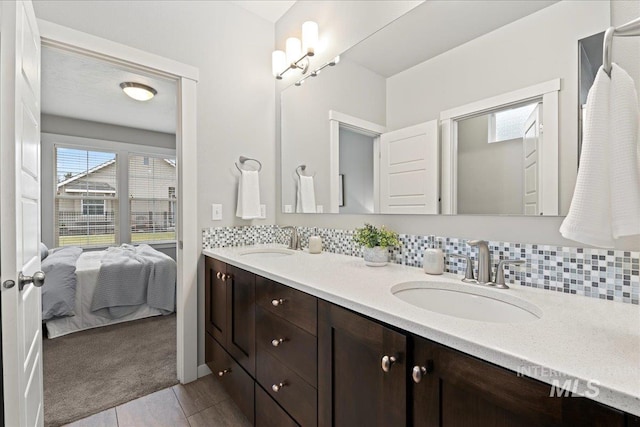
x=232, y=49
x=356, y=166
x=489, y=175
x=506, y=228
x=348, y=88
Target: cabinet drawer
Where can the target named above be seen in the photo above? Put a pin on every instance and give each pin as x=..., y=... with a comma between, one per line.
x=298, y=349
x=235, y=380
x=297, y=307
x=269, y=413
x=295, y=395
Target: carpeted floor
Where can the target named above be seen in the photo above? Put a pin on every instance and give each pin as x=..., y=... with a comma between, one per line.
x=89, y=371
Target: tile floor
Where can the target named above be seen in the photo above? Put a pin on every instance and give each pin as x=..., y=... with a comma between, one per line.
x=202, y=403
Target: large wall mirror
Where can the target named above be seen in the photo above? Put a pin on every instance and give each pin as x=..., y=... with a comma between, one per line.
x=441, y=112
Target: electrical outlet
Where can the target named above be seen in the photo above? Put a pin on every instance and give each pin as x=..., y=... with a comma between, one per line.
x=263, y=211
x=319, y=209
x=216, y=212
x=288, y=209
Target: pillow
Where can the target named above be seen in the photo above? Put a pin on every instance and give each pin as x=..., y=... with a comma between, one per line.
x=44, y=251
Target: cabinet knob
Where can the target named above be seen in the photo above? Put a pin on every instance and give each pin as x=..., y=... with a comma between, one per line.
x=387, y=362
x=224, y=372
x=419, y=371
x=277, y=302
x=276, y=342
x=277, y=387
x=224, y=277
x=219, y=275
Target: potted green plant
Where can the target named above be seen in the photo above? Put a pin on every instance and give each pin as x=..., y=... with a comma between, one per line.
x=375, y=244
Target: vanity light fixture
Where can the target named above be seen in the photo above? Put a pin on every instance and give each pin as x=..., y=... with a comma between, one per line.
x=138, y=91
x=297, y=53
x=317, y=71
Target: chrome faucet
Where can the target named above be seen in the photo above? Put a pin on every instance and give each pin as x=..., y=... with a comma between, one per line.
x=294, y=240
x=484, y=266
x=484, y=261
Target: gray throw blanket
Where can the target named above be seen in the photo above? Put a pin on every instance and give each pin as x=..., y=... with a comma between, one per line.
x=134, y=275
x=59, y=290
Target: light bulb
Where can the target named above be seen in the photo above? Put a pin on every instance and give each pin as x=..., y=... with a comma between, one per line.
x=309, y=37
x=278, y=62
x=294, y=50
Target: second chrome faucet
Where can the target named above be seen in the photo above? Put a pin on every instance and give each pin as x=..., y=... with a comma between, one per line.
x=485, y=266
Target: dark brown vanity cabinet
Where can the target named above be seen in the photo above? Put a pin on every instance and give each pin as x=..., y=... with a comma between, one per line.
x=287, y=358
x=215, y=294
x=230, y=295
x=450, y=389
x=362, y=370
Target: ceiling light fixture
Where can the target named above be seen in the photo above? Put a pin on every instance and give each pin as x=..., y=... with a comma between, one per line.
x=138, y=91
x=293, y=54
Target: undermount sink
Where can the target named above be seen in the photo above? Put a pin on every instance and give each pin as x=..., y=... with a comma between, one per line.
x=465, y=302
x=267, y=252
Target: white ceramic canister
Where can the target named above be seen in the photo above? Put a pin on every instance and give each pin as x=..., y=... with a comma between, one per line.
x=433, y=258
x=315, y=244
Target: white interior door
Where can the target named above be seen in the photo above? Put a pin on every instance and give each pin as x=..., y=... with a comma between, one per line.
x=20, y=210
x=409, y=170
x=532, y=176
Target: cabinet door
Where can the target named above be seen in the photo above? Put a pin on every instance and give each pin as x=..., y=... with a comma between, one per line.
x=459, y=390
x=241, y=336
x=353, y=388
x=215, y=294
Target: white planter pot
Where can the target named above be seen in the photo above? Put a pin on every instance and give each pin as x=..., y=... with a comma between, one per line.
x=376, y=256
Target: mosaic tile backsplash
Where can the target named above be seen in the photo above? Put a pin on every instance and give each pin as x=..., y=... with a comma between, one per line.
x=598, y=273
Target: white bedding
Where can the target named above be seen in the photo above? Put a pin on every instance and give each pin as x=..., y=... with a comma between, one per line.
x=87, y=269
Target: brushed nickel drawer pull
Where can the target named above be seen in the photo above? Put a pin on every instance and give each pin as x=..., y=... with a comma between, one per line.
x=419, y=371
x=277, y=341
x=224, y=277
x=387, y=362
x=224, y=372
x=219, y=275
x=277, y=387
x=277, y=302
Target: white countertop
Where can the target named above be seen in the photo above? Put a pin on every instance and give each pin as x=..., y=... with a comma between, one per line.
x=576, y=338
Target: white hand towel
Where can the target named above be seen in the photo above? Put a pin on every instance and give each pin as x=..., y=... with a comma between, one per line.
x=248, y=195
x=625, y=157
x=306, y=198
x=606, y=199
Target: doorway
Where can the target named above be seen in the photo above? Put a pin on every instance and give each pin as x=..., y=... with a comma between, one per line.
x=108, y=168
x=15, y=379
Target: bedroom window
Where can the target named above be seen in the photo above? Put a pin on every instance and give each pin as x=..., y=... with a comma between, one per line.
x=86, y=199
x=152, y=198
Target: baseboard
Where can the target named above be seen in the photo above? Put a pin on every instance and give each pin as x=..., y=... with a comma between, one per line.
x=203, y=370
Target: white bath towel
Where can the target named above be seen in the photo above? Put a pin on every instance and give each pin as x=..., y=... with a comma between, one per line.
x=606, y=199
x=248, y=195
x=306, y=198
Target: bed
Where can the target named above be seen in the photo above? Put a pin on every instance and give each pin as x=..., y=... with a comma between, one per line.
x=86, y=290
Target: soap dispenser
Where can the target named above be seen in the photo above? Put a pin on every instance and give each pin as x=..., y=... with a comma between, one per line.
x=433, y=257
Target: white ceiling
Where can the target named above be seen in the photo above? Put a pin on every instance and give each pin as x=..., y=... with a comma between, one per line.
x=269, y=10
x=435, y=27
x=87, y=88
